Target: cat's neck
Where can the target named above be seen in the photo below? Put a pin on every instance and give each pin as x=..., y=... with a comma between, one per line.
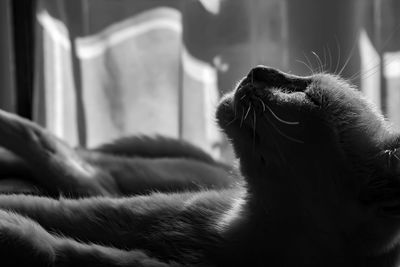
x=276, y=222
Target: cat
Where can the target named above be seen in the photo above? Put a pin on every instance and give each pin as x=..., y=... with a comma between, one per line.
x=320, y=187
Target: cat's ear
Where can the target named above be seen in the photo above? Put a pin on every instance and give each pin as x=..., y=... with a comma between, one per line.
x=383, y=191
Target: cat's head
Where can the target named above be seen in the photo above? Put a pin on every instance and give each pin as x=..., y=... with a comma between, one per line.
x=315, y=145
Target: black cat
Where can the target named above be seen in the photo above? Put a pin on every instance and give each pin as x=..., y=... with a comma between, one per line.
x=321, y=188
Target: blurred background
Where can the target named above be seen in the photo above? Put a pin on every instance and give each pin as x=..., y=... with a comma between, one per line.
x=95, y=70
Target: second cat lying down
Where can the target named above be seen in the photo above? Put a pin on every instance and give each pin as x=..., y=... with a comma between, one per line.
x=321, y=188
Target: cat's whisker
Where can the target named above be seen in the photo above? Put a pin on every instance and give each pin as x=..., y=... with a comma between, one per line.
x=232, y=121
x=309, y=68
x=349, y=57
x=235, y=109
x=254, y=128
x=389, y=158
x=262, y=103
x=369, y=70
x=309, y=63
x=248, y=110
x=281, y=120
x=320, y=67
x=338, y=59
x=372, y=71
x=330, y=58
x=241, y=119
x=282, y=133
x=375, y=68
x=368, y=73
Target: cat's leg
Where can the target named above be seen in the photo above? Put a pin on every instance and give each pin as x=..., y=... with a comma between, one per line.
x=23, y=242
x=54, y=165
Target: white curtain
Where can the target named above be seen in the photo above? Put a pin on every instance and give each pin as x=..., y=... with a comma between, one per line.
x=134, y=74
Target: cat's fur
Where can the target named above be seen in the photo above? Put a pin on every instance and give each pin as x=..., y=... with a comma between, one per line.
x=321, y=171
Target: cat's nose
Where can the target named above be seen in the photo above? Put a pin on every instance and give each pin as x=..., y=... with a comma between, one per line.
x=266, y=77
x=262, y=74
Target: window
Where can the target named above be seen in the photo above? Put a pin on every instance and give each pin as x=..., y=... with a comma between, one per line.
x=105, y=69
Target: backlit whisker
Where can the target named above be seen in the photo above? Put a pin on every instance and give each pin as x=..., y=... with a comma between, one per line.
x=282, y=133
x=262, y=103
x=241, y=119
x=247, y=112
x=254, y=128
x=321, y=66
x=282, y=120
x=232, y=121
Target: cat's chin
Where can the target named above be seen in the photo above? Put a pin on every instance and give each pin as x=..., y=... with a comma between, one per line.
x=225, y=112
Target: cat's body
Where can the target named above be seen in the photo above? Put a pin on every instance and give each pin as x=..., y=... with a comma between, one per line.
x=321, y=188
